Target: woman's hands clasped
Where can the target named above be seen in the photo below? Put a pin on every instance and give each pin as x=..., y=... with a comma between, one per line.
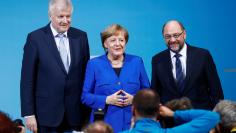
x=120, y=98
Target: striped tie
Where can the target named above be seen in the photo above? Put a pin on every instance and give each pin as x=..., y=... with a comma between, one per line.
x=179, y=73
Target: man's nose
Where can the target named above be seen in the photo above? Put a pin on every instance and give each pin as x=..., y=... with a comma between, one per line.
x=64, y=19
x=172, y=39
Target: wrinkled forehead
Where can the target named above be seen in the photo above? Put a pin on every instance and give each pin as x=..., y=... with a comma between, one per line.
x=62, y=7
x=117, y=35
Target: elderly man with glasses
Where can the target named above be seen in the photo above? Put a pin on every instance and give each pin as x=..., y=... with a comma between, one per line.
x=185, y=70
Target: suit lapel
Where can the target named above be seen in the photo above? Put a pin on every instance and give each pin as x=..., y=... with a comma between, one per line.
x=167, y=66
x=125, y=69
x=110, y=68
x=75, y=48
x=189, y=66
x=72, y=42
x=49, y=38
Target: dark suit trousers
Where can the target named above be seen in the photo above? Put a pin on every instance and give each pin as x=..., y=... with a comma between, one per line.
x=64, y=127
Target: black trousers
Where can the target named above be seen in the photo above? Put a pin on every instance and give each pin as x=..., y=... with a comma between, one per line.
x=64, y=127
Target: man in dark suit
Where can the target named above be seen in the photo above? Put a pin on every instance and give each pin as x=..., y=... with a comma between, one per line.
x=52, y=75
x=184, y=70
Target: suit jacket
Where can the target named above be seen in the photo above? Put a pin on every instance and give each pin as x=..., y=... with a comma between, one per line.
x=102, y=81
x=202, y=84
x=47, y=90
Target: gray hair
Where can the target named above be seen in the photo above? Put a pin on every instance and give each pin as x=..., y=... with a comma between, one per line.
x=180, y=24
x=53, y=3
x=227, y=111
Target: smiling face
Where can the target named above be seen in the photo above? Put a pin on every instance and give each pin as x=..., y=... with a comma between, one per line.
x=114, y=39
x=60, y=17
x=174, y=36
x=115, y=44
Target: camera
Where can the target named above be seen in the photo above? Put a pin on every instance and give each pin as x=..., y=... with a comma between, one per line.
x=18, y=122
x=99, y=114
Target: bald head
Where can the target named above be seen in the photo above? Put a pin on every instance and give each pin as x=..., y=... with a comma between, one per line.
x=98, y=127
x=173, y=23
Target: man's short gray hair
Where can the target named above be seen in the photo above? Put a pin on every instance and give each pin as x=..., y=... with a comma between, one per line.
x=53, y=3
x=227, y=111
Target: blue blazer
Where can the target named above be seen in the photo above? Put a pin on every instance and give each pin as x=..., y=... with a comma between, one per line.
x=102, y=81
x=202, y=83
x=47, y=91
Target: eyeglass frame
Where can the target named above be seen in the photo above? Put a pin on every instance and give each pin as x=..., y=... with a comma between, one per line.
x=175, y=35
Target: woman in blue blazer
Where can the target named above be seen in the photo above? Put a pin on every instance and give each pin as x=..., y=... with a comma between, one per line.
x=111, y=80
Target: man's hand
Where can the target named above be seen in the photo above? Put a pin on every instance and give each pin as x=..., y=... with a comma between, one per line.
x=166, y=112
x=31, y=123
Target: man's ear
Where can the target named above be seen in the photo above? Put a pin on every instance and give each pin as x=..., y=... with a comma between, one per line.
x=133, y=110
x=185, y=35
x=49, y=16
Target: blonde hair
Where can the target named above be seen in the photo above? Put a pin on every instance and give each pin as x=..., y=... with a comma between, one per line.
x=111, y=30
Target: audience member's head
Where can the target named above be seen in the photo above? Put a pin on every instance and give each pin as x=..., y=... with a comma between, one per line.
x=6, y=124
x=179, y=104
x=98, y=127
x=183, y=103
x=227, y=111
x=146, y=104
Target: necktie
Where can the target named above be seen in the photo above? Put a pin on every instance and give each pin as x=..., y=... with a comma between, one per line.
x=63, y=52
x=179, y=73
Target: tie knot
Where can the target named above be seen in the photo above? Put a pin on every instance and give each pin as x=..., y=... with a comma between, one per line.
x=177, y=55
x=60, y=35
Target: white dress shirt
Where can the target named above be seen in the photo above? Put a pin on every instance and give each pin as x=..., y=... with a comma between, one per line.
x=65, y=39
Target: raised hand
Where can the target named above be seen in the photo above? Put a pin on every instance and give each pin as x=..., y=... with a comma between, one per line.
x=166, y=112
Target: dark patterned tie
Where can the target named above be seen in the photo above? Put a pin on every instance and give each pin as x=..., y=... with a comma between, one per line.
x=179, y=73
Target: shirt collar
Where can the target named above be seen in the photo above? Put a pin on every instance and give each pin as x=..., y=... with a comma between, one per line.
x=54, y=32
x=183, y=51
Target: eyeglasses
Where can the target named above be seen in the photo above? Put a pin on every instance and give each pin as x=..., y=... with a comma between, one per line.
x=175, y=35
